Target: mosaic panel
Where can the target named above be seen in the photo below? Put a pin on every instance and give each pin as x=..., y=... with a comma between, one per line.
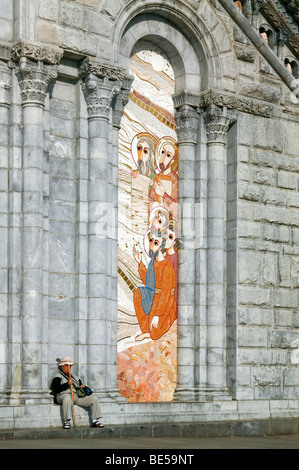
x=147, y=232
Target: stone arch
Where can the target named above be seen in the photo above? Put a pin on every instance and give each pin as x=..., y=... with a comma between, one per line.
x=182, y=34
x=198, y=61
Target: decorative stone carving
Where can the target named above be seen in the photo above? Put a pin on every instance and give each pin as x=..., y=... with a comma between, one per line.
x=218, y=121
x=98, y=97
x=121, y=100
x=34, y=80
x=36, y=52
x=101, y=70
x=245, y=54
x=35, y=67
x=187, y=125
x=101, y=84
x=259, y=91
x=186, y=106
x=235, y=102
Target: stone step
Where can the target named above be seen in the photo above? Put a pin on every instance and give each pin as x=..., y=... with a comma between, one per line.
x=272, y=427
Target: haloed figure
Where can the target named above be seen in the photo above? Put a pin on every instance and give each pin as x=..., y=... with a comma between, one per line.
x=155, y=304
x=145, y=153
x=165, y=188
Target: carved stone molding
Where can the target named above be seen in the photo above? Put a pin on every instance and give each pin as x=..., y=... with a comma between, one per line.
x=34, y=79
x=217, y=121
x=36, y=52
x=186, y=98
x=101, y=70
x=234, y=102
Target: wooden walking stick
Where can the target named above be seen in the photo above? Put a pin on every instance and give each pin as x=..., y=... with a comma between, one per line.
x=69, y=370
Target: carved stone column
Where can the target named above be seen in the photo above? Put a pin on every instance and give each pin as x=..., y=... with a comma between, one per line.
x=101, y=85
x=217, y=125
x=35, y=68
x=187, y=121
x=5, y=100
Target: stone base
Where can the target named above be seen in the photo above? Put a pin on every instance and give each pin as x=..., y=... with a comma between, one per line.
x=147, y=414
x=201, y=394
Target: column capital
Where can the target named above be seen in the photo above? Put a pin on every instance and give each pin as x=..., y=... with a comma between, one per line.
x=217, y=121
x=101, y=84
x=186, y=106
x=35, y=66
x=34, y=79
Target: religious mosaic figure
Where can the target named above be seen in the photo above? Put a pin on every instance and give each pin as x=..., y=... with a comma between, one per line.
x=143, y=146
x=165, y=188
x=155, y=304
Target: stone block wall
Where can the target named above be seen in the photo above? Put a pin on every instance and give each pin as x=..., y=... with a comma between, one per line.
x=267, y=226
x=260, y=193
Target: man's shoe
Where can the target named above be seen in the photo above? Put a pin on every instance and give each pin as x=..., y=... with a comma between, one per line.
x=66, y=425
x=97, y=424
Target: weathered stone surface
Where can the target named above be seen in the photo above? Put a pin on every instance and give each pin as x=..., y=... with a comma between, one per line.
x=238, y=294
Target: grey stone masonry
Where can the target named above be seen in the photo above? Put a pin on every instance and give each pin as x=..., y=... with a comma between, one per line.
x=64, y=82
x=35, y=68
x=187, y=121
x=102, y=85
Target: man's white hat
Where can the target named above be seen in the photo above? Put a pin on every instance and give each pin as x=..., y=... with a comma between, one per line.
x=65, y=361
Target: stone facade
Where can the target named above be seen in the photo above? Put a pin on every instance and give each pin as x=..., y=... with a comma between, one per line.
x=64, y=82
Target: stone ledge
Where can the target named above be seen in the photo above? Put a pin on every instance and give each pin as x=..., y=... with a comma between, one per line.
x=272, y=427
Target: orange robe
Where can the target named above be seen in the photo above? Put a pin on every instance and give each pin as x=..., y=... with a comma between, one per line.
x=164, y=304
x=169, y=201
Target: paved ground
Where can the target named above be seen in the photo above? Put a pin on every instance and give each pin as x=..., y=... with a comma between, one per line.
x=167, y=443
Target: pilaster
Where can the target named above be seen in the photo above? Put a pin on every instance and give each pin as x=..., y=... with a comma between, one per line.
x=35, y=68
x=217, y=121
x=5, y=101
x=187, y=122
x=103, y=88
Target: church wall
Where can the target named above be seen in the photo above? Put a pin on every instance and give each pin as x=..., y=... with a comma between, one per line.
x=267, y=259
x=261, y=231
x=62, y=207
x=6, y=21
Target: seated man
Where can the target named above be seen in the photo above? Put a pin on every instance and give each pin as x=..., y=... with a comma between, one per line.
x=61, y=389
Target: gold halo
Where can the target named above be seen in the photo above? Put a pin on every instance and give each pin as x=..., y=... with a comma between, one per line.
x=173, y=142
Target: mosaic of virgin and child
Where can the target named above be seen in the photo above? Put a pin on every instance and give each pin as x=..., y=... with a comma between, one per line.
x=155, y=302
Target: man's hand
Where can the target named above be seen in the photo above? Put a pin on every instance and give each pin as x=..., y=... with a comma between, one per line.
x=159, y=189
x=70, y=382
x=137, y=255
x=154, y=322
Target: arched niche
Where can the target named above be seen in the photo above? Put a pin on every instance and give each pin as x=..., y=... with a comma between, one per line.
x=196, y=61
x=182, y=36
